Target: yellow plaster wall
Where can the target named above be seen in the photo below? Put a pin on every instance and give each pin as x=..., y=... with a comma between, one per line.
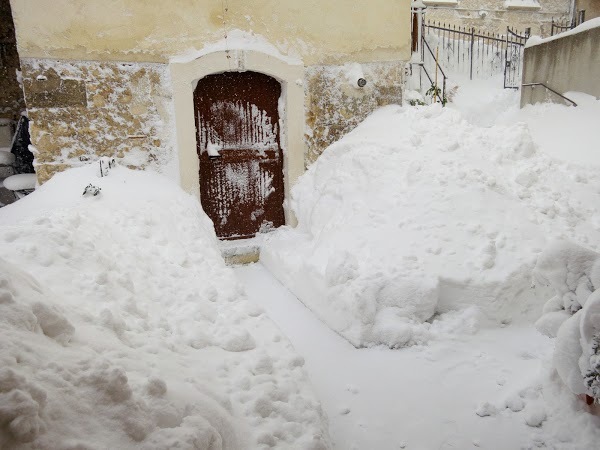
x=320, y=32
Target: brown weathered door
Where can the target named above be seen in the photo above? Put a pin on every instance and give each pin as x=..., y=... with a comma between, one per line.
x=238, y=143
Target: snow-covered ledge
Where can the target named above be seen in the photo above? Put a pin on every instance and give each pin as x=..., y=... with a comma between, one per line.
x=185, y=76
x=441, y=2
x=527, y=5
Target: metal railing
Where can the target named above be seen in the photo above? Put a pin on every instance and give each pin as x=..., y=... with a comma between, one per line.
x=551, y=90
x=558, y=26
x=433, y=81
x=469, y=51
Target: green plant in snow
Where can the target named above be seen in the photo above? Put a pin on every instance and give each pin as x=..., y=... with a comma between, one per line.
x=436, y=93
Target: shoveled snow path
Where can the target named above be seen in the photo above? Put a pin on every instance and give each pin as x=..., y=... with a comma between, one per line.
x=414, y=398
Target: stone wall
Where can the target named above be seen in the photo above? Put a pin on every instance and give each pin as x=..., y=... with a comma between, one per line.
x=495, y=15
x=95, y=105
x=82, y=110
x=335, y=104
x=11, y=94
x=566, y=63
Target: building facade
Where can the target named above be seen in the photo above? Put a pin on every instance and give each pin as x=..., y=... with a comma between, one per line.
x=124, y=79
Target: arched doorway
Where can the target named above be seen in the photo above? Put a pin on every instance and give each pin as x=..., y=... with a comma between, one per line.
x=239, y=149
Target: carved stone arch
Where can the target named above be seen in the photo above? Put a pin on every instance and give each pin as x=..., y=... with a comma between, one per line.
x=185, y=76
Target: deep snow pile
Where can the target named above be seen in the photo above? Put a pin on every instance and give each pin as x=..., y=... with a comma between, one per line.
x=573, y=314
x=121, y=327
x=567, y=133
x=418, y=213
x=560, y=402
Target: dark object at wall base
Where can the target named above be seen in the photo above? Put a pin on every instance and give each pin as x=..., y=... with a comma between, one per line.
x=20, y=147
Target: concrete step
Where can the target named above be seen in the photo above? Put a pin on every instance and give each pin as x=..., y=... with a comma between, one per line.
x=241, y=251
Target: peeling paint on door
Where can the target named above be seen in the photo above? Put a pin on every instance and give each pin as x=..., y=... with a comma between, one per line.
x=238, y=143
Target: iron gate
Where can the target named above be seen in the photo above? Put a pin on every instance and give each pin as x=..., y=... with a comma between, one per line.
x=513, y=66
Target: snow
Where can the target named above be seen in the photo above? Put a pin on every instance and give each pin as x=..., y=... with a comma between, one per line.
x=548, y=124
x=257, y=131
x=585, y=26
x=20, y=181
x=447, y=231
x=573, y=272
x=431, y=397
x=239, y=40
x=522, y=4
x=121, y=327
x=6, y=157
x=563, y=132
x=213, y=149
x=449, y=212
x=425, y=211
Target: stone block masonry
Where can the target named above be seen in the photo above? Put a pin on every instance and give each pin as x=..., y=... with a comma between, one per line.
x=335, y=104
x=81, y=110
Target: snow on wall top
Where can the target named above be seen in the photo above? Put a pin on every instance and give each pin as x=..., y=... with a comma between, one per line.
x=585, y=26
x=239, y=40
x=522, y=4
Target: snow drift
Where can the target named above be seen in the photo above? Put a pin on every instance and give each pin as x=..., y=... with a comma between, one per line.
x=121, y=327
x=418, y=221
x=573, y=314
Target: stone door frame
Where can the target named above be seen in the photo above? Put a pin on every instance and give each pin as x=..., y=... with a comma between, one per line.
x=185, y=76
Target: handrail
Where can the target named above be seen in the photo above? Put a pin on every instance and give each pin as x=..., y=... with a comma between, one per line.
x=551, y=90
x=561, y=26
x=523, y=37
x=444, y=77
x=433, y=56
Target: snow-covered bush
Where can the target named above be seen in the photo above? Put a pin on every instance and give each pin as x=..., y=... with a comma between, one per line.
x=573, y=314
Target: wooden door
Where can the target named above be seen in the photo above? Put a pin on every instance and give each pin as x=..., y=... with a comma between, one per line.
x=238, y=143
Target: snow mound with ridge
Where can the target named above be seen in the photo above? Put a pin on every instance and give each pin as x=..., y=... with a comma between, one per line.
x=419, y=224
x=121, y=327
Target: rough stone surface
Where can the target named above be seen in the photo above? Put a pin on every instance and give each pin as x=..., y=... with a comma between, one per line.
x=84, y=110
x=50, y=91
x=335, y=104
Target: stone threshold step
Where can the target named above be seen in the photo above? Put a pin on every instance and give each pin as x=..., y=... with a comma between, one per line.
x=241, y=251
